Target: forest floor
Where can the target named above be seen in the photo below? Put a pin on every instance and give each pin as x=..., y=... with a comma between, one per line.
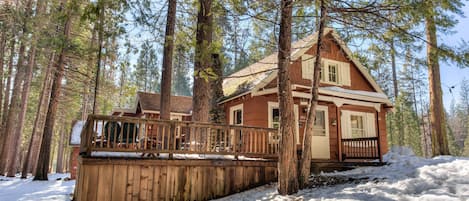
x=407, y=177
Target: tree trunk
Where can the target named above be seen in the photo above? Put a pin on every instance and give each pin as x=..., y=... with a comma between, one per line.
x=60, y=151
x=34, y=143
x=287, y=164
x=13, y=166
x=305, y=162
x=165, y=102
x=44, y=153
x=6, y=102
x=437, y=114
x=201, y=89
x=2, y=56
x=217, y=113
x=100, y=50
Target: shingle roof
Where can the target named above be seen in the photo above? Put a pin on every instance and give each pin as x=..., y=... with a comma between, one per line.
x=151, y=102
x=247, y=78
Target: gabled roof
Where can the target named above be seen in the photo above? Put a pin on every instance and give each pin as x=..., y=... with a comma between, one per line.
x=261, y=73
x=150, y=103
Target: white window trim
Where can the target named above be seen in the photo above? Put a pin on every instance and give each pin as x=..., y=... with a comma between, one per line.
x=369, y=123
x=342, y=72
x=326, y=117
x=272, y=105
x=234, y=108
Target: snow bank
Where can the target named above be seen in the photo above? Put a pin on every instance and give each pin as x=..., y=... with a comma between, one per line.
x=406, y=178
x=25, y=189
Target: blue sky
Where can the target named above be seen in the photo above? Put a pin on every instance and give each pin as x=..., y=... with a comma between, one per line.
x=452, y=75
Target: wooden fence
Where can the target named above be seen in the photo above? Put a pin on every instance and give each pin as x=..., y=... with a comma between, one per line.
x=361, y=148
x=153, y=137
x=148, y=179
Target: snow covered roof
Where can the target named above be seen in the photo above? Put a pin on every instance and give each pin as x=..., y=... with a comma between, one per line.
x=261, y=73
x=356, y=94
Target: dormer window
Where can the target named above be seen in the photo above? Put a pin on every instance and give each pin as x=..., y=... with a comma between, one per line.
x=332, y=68
x=332, y=71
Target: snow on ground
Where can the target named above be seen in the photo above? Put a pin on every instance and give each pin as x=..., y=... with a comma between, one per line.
x=407, y=177
x=56, y=188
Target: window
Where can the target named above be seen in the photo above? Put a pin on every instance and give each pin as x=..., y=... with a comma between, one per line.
x=332, y=72
x=238, y=117
x=274, y=120
x=320, y=123
x=356, y=123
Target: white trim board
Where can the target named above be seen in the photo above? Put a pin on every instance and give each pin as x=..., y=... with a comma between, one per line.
x=271, y=105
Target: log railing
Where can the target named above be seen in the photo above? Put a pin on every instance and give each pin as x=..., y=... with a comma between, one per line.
x=153, y=137
x=360, y=148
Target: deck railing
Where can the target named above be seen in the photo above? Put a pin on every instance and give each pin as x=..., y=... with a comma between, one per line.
x=152, y=137
x=361, y=148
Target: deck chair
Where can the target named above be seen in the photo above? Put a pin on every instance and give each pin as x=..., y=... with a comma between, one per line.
x=130, y=133
x=112, y=130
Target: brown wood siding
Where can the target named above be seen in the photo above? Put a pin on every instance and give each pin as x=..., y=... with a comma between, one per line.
x=383, y=134
x=143, y=179
x=331, y=51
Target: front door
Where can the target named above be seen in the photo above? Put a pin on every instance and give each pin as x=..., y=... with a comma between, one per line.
x=320, y=147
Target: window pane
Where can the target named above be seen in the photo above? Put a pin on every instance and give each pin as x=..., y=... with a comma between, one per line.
x=238, y=116
x=332, y=73
x=320, y=124
x=358, y=130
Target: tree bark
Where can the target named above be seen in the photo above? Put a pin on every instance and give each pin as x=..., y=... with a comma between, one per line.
x=217, y=113
x=60, y=151
x=44, y=153
x=287, y=165
x=2, y=56
x=201, y=89
x=34, y=143
x=100, y=50
x=13, y=112
x=6, y=103
x=13, y=166
x=165, y=98
x=437, y=114
x=305, y=162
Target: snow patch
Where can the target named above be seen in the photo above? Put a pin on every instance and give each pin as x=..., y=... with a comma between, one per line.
x=407, y=177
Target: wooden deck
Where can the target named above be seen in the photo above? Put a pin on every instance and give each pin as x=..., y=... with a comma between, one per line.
x=153, y=137
x=150, y=179
x=125, y=158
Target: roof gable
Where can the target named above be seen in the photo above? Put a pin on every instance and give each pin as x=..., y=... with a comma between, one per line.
x=150, y=102
x=259, y=74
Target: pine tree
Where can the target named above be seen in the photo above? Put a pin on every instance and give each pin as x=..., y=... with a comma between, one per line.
x=287, y=160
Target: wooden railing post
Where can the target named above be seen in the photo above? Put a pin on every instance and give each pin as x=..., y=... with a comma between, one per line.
x=171, y=138
x=378, y=136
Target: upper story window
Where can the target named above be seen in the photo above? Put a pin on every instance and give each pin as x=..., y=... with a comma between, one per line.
x=332, y=71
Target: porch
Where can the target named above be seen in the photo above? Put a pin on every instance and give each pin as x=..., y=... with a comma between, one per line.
x=147, y=159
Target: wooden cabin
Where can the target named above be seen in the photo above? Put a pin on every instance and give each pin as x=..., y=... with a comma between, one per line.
x=351, y=116
x=132, y=154
x=147, y=105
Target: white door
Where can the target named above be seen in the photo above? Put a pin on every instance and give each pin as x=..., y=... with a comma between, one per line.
x=320, y=148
